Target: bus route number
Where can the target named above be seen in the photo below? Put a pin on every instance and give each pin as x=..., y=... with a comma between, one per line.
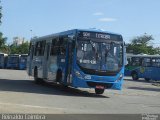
x=103, y=36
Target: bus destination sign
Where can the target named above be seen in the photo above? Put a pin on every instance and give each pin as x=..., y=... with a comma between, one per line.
x=94, y=35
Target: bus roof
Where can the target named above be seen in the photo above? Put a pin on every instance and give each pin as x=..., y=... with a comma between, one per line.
x=3, y=54
x=74, y=31
x=23, y=55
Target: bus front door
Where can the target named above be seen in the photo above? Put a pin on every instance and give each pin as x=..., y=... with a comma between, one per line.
x=29, y=60
x=70, y=56
x=45, y=61
x=69, y=62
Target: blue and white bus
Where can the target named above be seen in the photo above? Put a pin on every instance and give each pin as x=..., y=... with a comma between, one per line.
x=13, y=61
x=78, y=58
x=143, y=66
x=3, y=60
x=23, y=61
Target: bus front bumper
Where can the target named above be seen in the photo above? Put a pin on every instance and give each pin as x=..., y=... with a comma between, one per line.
x=93, y=83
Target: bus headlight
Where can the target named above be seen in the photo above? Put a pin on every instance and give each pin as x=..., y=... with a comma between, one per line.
x=120, y=77
x=78, y=74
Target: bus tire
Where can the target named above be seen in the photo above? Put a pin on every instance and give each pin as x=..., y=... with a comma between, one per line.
x=59, y=76
x=36, y=79
x=147, y=79
x=135, y=76
x=99, y=91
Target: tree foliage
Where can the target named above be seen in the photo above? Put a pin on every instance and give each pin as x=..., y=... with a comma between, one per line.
x=141, y=44
x=21, y=49
x=2, y=40
x=3, y=47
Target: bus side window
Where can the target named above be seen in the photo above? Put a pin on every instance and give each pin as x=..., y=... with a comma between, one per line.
x=54, y=47
x=136, y=61
x=158, y=62
x=155, y=62
x=62, y=46
x=37, y=47
x=43, y=47
x=128, y=61
x=40, y=47
x=146, y=62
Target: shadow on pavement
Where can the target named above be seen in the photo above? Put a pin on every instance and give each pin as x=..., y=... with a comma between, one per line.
x=28, y=86
x=141, y=80
x=147, y=89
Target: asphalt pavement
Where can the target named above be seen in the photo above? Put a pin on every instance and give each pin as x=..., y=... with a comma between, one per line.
x=19, y=94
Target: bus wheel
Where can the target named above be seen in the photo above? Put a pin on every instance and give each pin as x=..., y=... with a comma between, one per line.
x=99, y=91
x=147, y=79
x=36, y=79
x=134, y=76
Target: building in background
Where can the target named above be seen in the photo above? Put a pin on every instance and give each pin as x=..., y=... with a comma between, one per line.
x=18, y=41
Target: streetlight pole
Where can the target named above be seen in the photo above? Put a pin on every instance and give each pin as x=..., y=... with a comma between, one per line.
x=31, y=34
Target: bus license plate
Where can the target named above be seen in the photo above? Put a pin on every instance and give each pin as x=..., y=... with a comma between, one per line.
x=99, y=87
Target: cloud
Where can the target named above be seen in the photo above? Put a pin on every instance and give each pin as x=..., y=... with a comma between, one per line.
x=107, y=19
x=98, y=13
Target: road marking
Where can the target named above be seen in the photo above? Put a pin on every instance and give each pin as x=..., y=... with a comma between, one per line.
x=33, y=106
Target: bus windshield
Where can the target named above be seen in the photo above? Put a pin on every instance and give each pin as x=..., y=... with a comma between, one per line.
x=99, y=55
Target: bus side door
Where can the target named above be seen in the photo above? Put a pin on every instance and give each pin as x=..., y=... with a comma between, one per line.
x=65, y=59
x=30, y=59
x=69, y=62
x=46, y=60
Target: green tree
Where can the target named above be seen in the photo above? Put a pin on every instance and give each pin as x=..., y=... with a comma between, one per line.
x=2, y=39
x=3, y=46
x=140, y=44
x=23, y=49
x=13, y=49
x=20, y=49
